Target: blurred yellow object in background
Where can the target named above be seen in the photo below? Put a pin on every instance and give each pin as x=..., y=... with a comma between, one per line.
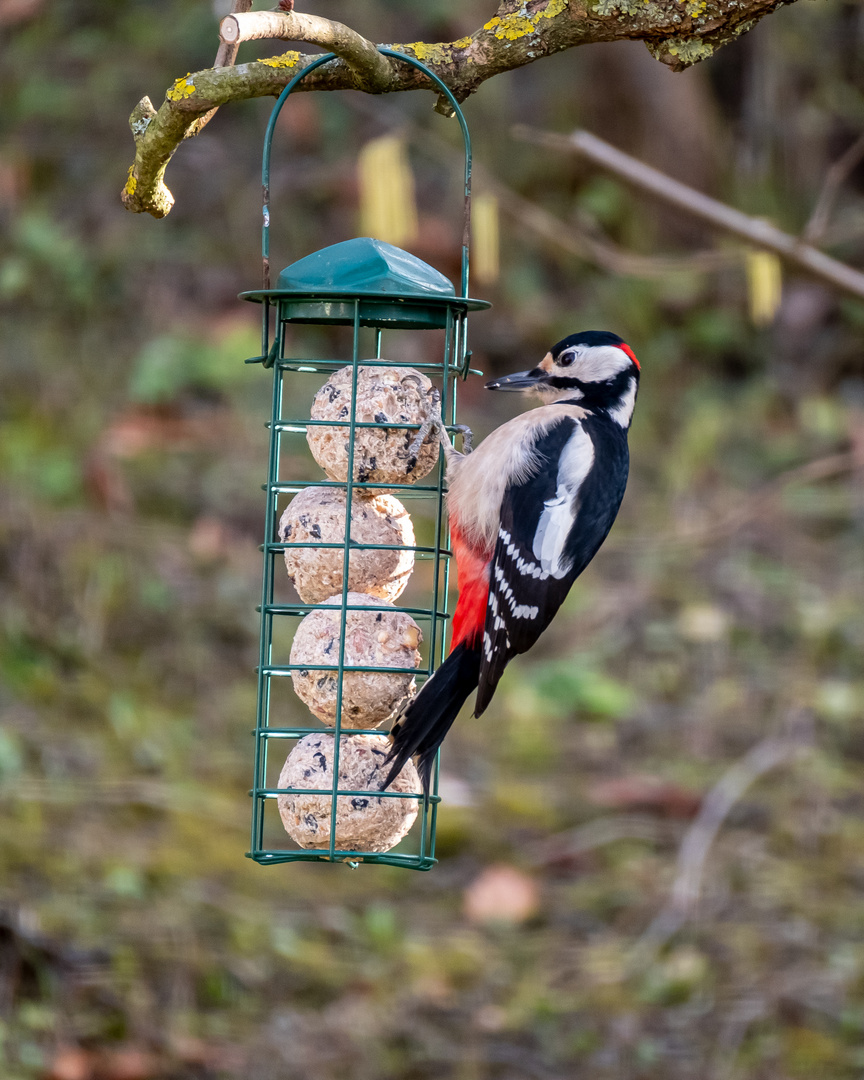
x=388, y=209
x=485, y=262
x=764, y=286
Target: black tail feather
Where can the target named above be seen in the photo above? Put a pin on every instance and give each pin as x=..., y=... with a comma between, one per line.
x=426, y=719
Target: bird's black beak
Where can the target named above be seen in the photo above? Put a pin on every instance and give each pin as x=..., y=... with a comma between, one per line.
x=521, y=380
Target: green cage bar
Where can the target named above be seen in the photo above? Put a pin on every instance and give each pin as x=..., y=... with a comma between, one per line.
x=360, y=283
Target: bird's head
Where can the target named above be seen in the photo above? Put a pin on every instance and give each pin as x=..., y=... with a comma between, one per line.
x=594, y=368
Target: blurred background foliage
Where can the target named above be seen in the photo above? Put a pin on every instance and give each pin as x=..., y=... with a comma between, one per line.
x=136, y=942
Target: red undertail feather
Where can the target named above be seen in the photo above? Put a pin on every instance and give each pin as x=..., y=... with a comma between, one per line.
x=473, y=579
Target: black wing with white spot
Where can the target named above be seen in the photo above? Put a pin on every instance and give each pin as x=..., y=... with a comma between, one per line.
x=550, y=528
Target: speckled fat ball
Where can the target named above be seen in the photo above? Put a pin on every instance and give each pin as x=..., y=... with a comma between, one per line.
x=385, y=395
x=318, y=514
x=363, y=822
x=372, y=639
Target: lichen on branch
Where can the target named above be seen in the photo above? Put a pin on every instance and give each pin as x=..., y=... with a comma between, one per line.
x=679, y=33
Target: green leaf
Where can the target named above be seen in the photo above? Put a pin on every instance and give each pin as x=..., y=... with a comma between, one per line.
x=569, y=688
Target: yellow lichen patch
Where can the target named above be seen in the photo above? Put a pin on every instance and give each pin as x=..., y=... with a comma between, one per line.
x=512, y=27
x=131, y=183
x=441, y=53
x=285, y=60
x=182, y=88
x=553, y=8
x=429, y=54
x=696, y=8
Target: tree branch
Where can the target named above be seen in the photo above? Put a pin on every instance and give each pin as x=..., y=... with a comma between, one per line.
x=755, y=231
x=517, y=34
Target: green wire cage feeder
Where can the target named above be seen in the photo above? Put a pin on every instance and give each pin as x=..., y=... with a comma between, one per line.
x=348, y=542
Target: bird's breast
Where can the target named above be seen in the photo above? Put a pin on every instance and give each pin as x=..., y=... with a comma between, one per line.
x=477, y=482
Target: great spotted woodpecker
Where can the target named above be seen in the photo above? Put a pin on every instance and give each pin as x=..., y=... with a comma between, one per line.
x=528, y=510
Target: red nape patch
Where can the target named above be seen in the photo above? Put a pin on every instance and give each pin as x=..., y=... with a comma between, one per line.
x=630, y=353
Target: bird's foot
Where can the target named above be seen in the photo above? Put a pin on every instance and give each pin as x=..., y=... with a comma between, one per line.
x=434, y=426
x=467, y=438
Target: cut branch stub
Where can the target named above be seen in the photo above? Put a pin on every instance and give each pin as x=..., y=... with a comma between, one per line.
x=227, y=53
x=373, y=71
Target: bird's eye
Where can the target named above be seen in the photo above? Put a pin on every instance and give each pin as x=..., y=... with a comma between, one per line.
x=567, y=358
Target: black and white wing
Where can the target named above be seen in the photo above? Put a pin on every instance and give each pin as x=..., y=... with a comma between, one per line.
x=551, y=526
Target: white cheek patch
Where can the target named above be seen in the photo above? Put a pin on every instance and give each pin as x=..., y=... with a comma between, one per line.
x=623, y=412
x=601, y=363
x=559, y=513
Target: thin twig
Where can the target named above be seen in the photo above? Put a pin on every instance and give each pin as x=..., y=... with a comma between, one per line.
x=586, y=244
x=755, y=231
x=598, y=833
x=226, y=54
x=699, y=838
x=814, y=230
x=754, y=504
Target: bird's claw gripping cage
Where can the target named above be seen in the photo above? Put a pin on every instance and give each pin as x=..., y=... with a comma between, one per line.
x=360, y=283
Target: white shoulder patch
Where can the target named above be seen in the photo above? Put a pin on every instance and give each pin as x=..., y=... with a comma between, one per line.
x=559, y=512
x=623, y=412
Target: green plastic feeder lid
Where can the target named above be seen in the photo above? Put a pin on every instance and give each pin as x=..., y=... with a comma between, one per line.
x=394, y=288
x=364, y=265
